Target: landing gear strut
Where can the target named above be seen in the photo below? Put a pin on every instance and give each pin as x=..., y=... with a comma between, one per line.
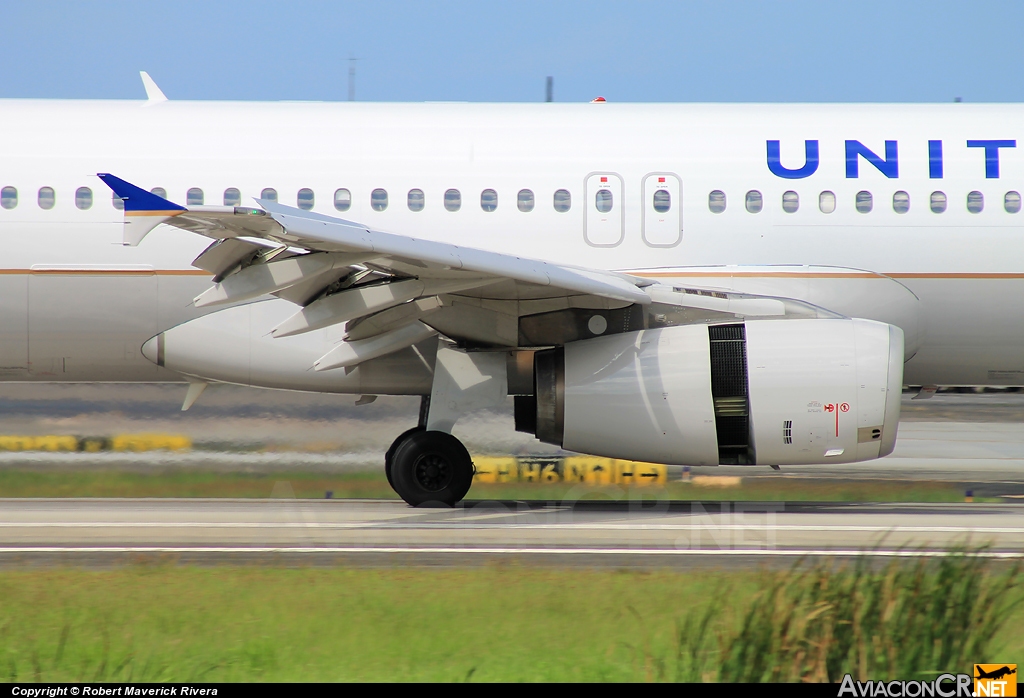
x=429, y=466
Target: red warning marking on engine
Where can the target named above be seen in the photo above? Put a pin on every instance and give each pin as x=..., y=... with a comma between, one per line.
x=830, y=407
x=845, y=407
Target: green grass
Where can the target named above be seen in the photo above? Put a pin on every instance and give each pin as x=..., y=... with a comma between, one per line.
x=190, y=483
x=818, y=624
x=372, y=484
x=498, y=623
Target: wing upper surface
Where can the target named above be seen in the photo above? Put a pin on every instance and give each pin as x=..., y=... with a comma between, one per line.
x=326, y=232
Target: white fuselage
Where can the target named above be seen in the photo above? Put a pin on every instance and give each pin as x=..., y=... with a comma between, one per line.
x=77, y=305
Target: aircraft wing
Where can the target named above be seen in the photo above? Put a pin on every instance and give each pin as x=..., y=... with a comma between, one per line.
x=314, y=232
x=394, y=290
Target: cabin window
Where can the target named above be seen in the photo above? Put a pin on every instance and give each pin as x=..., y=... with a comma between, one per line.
x=603, y=200
x=563, y=200
x=753, y=201
x=525, y=200
x=159, y=191
x=269, y=194
x=305, y=199
x=827, y=202
x=790, y=201
x=452, y=200
x=8, y=197
x=716, y=201
x=379, y=199
x=488, y=200
x=1011, y=202
x=901, y=202
x=117, y=201
x=663, y=200
x=83, y=198
x=863, y=202
x=417, y=200
x=194, y=197
x=342, y=200
x=46, y=198
x=232, y=197
x=937, y=201
x=975, y=202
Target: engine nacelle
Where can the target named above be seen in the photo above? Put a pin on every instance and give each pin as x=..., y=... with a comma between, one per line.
x=769, y=392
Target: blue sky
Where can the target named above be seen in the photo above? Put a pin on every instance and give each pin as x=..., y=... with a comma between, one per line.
x=626, y=51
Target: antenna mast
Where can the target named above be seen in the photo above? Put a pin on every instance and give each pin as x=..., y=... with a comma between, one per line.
x=352, y=78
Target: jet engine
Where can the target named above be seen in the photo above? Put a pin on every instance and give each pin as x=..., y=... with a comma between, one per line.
x=768, y=392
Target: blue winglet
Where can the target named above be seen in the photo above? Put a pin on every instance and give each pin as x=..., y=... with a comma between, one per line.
x=143, y=210
x=137, y=199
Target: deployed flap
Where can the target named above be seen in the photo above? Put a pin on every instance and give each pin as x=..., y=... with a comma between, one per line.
x=391, y=319
x=351, y=353
x=224, y=255
x=738, y=304
x=258, y=280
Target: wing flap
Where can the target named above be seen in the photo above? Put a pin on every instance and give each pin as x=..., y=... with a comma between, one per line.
x=261, y=279
x=224, y=255
x=349, y=354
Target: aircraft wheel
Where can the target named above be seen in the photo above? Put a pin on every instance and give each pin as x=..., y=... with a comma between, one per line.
x=431, y=467
x=390, y=455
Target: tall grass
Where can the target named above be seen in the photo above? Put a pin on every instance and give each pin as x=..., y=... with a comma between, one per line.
x=817, y=623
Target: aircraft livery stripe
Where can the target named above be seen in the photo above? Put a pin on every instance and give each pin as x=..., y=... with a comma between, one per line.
x=108, y=272
x=646, y=275
x=829, y=275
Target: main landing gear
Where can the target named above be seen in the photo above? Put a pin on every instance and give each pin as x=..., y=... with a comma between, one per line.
x=426, y=467
x=427, y=464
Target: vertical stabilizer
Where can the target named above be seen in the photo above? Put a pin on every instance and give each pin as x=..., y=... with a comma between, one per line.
x=154, y=94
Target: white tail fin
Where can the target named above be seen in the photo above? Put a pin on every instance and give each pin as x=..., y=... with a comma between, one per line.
x=153, y=93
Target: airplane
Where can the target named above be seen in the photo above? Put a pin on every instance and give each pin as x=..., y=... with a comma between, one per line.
x=693, y=284
x=995, y=673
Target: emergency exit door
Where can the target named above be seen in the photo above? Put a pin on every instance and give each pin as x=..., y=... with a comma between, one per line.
x=662, y=210
x=605, y=221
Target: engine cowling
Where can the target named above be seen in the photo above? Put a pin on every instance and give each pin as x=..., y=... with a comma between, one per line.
x=768, y=392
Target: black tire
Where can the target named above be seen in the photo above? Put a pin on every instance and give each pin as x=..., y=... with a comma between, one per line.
x=432, y=467
x=390, y=455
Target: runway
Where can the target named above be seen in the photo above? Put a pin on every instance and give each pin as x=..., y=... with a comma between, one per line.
x=972, y=441
x=378, y=532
